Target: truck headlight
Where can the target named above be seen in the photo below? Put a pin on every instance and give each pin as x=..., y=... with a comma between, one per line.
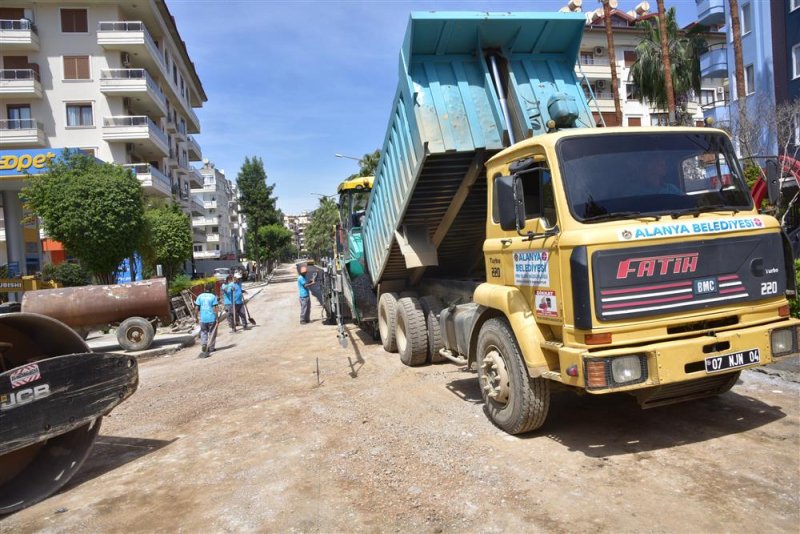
x=626, y=369
x=782, y=341
x=615, y=371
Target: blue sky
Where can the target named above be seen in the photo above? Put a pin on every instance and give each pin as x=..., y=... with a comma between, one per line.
x=295, y=82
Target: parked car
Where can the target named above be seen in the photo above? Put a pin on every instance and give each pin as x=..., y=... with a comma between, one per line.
x=221, y=273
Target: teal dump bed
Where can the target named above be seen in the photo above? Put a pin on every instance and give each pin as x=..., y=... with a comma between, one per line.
x=427, y=209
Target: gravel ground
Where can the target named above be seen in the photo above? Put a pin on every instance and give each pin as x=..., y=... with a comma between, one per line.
x=253, y=439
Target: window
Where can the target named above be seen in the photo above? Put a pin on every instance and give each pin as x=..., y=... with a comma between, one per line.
x=76, y=68
x=796, y=60
x=634, y=121
x=749, y=80
x=79, y=115
x=632, y=91
x=707, y=96
x=19, y=116
x=87, y=151
x=630, y=57
x=794, y=4
x=74, y=21
x=797, y=129
x=198, y=248
x=659, y=119
x=747, y=19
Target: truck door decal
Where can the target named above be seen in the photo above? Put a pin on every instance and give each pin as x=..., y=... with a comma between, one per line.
x=532, y=268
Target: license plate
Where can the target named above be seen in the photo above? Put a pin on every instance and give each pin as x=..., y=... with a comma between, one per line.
x=743, y=358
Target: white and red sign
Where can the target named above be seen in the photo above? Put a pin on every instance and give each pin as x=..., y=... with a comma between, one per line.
x=25, y=375
x=545, y=303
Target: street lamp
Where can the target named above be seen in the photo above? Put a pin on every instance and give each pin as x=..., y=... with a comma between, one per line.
x=347, y=157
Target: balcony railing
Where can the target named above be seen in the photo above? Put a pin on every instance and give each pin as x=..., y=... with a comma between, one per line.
x=20, y=124
x=129, y=121
x=19, y=74
x=132, y=27
x=595, y=61
x=19, y=25
x=144, y=169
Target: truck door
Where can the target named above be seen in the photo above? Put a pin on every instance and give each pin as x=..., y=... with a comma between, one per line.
x=527, y=258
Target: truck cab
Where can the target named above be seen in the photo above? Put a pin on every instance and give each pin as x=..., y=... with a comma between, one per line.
x=630, y=260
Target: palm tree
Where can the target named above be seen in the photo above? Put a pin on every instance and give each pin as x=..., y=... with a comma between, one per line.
x=665, y=56
x=684, y=50
x=736, y=30
x=612, y=59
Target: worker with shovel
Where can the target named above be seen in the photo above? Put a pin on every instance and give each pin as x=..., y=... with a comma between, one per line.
x=238, y=302
x=207, y=304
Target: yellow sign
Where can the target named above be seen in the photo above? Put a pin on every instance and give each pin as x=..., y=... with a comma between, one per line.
x=10, y=285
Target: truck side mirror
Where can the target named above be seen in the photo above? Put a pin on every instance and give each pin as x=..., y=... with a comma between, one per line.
x=773, y=181
x=510, y=202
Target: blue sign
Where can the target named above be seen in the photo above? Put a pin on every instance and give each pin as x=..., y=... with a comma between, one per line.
x=27, y=161
x=124, y=270
x=13, y=269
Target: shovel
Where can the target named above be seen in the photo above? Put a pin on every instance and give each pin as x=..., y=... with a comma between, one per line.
x=247, y=312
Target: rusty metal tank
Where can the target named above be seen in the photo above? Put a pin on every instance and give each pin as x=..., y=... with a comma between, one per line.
x=93, y=306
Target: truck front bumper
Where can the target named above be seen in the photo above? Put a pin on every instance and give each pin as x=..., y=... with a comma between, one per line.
x=705, y=358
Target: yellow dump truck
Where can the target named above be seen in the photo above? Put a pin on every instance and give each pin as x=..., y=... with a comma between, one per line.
x=594, y=259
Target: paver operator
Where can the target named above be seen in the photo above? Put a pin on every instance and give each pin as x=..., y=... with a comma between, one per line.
x=206, y=304
x=305, y=300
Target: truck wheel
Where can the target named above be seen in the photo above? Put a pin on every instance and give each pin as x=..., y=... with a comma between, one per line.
x=411, y=333
x=431, y=307
x=387, y=319
x=135, y=333
x=514, y=401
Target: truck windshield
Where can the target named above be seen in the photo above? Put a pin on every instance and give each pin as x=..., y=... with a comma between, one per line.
x=631, y=175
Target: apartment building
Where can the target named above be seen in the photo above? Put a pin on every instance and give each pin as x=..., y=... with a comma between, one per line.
x=238, y=222
x=213, y=236
x=786, y=50
x=594, y=70
x=297, y=224
x=110, y=77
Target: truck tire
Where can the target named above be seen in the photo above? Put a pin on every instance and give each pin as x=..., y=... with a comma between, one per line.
x=431, y=307
x=135, y=333
x=515, y=402
x=410, y=333
x=387, y=320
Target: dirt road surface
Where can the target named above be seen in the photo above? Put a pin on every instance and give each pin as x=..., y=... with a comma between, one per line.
x=248, y=441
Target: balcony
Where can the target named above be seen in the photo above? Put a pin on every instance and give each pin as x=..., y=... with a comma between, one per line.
x=210, y=204
x=153, y=181
x=134, y=38
x=136, y=84
x=195, y=179
x=18, y=35
x=151, y=142
x=20, y=83
x=205, y=221
x=593, y=67
x=718, y=111
x=710, y=12
x=603, y=100
x=714, y=63
x=205, y=254
x=212, y=238
x=194, y=149
x=21, y=132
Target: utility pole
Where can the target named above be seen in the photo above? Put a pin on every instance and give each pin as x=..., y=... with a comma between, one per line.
x=608, y=5
x=662, y=30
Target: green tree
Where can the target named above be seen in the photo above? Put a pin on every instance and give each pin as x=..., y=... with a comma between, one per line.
x=67, y=274
x=648, y=72
x=320, y=232
x=275, y=238
x=166, y=240
x=258, y=204
x=368, y=164
x=94, y=209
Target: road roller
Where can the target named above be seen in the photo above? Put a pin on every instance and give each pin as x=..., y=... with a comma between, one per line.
x=54, y=392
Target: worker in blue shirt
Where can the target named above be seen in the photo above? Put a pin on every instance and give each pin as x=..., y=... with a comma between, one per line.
x=206, y=305
x=305, y=301
x=238, y=301
x=228, y=289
